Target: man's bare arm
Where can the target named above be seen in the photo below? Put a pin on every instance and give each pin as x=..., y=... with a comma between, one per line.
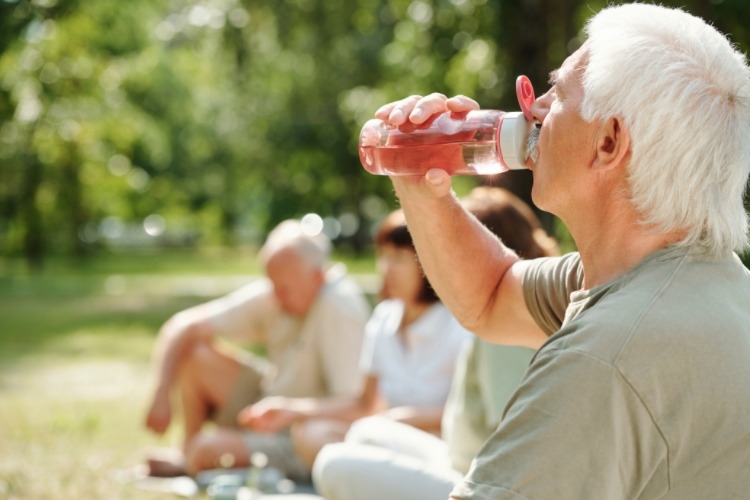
x=476, y=276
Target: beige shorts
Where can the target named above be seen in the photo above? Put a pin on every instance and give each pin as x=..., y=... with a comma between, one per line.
x=279, y=450
x=247, y=390
x=277, y=447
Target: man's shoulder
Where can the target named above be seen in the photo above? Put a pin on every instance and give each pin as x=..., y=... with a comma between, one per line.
x=257, y=293
x=687, y=289
x=674, y=318
x=675, y=300
x=338, y=280
x=342, y=292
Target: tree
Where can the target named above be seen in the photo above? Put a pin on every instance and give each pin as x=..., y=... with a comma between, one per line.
x=213, y=120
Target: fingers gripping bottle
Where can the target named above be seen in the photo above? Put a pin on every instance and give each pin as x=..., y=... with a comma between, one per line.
x=478, y=142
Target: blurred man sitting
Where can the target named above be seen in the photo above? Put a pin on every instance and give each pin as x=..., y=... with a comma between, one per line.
x=310, y=320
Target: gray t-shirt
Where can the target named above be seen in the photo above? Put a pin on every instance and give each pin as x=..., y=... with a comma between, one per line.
x=486, y=376
x=641, y=392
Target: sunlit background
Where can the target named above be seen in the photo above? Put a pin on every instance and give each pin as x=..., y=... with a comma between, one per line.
x=147, y=147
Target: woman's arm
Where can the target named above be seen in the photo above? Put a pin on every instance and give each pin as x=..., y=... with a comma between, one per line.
x=274, y=413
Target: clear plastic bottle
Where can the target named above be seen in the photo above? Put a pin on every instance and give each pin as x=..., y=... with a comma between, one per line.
x=479, y=142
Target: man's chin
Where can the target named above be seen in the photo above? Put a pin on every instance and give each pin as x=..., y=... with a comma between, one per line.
x=291, y=311
x=536, y=198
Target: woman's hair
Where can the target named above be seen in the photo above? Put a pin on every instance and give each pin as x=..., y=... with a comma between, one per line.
x=502, y=212
x=684, y=94
x=393, y=231
x=511, y=220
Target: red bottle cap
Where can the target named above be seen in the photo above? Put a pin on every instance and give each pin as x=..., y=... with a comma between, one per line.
x=525, y=95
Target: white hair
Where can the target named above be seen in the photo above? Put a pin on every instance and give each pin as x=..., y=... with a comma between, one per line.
x=314, y=249
x=683, y=92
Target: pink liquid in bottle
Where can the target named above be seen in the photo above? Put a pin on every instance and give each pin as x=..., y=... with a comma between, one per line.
x=479, y=142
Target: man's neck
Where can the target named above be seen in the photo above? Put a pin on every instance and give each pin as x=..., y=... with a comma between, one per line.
x=613, y=244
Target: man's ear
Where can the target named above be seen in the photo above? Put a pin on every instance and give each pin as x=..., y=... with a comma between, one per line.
x=612, y=144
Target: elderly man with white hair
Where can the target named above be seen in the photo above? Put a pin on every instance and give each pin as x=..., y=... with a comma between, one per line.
x=641, y=384
x=309, y=316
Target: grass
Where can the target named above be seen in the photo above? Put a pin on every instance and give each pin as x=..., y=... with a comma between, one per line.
x=75, y=347
x=75, y=372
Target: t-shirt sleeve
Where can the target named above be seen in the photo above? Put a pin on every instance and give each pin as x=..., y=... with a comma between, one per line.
x=245, y=315
x=547, y=285
x=576, y=429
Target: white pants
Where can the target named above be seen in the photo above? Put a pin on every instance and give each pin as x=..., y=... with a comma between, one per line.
x=383, y=459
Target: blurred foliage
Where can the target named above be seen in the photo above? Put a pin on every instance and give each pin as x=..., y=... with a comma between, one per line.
x=179, y=122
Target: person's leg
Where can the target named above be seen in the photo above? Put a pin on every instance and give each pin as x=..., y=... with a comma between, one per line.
x=309, y=436
x=214, y=385
x=401, y=438
x=226, y=448
x=350, y=471
x=221, y=448
x=208, y=377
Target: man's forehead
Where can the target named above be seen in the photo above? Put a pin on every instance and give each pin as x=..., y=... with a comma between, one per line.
x=572, y=68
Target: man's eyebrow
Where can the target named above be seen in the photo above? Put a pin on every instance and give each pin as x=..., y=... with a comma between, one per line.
x=553, y=76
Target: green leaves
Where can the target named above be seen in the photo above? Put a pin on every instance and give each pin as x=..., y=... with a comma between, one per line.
x=222, y=117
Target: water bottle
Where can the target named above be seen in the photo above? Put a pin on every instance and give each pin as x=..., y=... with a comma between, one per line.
x=477, y=142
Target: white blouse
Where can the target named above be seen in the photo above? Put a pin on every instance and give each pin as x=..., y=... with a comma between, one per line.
x=419, y=370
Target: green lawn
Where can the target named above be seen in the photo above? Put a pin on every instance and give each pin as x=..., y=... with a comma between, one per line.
x=75, y=372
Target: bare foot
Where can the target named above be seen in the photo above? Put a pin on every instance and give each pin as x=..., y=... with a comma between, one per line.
x=166, y=462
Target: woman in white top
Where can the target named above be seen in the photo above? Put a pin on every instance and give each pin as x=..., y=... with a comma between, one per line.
x=408, y=357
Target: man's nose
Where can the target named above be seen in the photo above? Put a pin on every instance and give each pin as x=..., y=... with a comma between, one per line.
x=540, y=107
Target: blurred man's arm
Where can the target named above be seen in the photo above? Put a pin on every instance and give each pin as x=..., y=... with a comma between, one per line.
x=273, y=413
x=177, y=337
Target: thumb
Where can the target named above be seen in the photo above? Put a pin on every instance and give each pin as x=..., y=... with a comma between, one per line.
x=438, y=181
x=245, y=416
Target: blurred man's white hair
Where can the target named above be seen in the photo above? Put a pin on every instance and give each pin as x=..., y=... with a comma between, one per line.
x=684, y=93
x=315, y=249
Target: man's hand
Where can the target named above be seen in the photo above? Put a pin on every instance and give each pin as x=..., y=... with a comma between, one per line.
x=270, y=414
x=159, y=415
x=418, y=110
